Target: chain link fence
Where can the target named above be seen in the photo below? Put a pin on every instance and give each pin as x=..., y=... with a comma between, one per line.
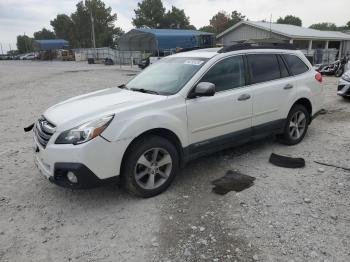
x=321, y=56
x=100, y=54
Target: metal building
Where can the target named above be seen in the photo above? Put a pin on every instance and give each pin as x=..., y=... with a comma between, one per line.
x=310, y=41
x=146, y=39
x=51, y=44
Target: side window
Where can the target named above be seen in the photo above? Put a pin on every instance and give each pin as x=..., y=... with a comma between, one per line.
x=283, y=68
x=295, y=64
x=226, y=74
x=263, y=67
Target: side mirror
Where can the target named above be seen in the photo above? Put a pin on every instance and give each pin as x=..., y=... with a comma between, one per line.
x=203, y=89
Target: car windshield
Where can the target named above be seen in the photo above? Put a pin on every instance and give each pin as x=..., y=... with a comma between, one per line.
x=167, y=76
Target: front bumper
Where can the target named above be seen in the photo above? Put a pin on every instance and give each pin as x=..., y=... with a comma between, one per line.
x=85, y=177
x=344, y=88
x=93, y=163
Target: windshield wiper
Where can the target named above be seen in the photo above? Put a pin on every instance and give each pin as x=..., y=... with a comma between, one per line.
x=122, y=86
x=144, y=91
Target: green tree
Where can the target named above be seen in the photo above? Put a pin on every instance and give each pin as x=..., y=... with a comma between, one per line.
x=348, y=25
x=192, y=27
x=44, y=34
x=290, y=20
x=325, y=26
x=176, y=18
x=222, y=21
x=236, y=17
x=24, y=44
x=207, y=28
x=104, y=19
x=63, y=27
x=149, y=13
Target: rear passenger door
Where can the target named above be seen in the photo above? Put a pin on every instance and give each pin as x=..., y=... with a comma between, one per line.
x=272, y=88
x=305, y=79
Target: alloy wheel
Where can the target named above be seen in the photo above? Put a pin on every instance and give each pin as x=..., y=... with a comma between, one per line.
x=297, y=125
x=153, y=168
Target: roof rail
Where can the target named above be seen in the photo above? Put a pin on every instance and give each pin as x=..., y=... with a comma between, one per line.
x=244, y=46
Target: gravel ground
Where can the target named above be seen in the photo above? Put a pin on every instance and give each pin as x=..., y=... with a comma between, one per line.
x=287, y=215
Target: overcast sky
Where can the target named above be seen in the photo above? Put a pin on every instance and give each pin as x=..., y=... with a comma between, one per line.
x=28, y=16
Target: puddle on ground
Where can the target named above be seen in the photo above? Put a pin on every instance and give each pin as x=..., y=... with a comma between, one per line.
x=232, y=181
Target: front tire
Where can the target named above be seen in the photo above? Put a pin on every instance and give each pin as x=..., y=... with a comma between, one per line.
x=149, y=166
x=296, y=126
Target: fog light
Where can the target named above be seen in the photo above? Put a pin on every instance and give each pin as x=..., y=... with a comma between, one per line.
x=72, y=178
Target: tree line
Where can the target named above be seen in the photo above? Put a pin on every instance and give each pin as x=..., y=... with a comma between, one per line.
x=76, y=27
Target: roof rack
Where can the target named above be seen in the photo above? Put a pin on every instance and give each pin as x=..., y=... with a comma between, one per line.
x=244, y=46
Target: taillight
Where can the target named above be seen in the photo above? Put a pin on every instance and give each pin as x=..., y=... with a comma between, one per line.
x=318, y=77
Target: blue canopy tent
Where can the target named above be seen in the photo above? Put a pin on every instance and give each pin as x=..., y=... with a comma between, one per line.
x=51, y=44
x=145, y=39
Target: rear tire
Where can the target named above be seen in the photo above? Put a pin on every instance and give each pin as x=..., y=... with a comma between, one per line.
x=296, y=126
x=149, y=166
x=339, y=72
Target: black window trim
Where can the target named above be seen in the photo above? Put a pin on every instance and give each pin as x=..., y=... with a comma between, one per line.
x=223, y=58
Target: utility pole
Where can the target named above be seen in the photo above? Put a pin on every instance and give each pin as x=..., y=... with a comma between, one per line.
x=93, y=31
x=270, y=26
x=25, y=41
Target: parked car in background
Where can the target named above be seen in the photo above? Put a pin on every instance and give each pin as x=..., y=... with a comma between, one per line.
x=182, y=107
x=149, y=61
x=344, y=85
x=144, y=63
x=30, y=56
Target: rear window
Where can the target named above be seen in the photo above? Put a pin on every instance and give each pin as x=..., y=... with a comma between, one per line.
x=263, y=67
x=295, y=64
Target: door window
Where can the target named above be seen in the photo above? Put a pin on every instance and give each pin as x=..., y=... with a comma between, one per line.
x=263, y=67
x=226, y=74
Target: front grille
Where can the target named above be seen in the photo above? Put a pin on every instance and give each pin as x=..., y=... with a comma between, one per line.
x=43, y=130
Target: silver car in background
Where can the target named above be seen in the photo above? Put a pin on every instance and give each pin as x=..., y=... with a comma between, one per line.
x=344, y=85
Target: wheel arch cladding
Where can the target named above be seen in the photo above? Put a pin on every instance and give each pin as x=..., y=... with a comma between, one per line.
x=305, y=102
x=162, y=132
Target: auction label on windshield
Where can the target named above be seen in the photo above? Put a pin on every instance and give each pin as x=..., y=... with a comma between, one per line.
x=194, y=62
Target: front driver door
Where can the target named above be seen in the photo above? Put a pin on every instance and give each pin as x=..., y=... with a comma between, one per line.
x=226, y=117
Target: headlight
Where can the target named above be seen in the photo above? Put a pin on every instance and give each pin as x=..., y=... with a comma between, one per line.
x=84, y=132
x=346, y=77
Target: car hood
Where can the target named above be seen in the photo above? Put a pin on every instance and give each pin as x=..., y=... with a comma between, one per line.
x=93, y=105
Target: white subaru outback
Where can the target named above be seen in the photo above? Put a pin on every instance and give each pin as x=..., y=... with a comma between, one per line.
x=185, y=106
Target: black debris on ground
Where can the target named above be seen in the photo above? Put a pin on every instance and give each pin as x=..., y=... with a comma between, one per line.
x=285, y=161
x=232, y=181
x=28, y=128
x=332, y=165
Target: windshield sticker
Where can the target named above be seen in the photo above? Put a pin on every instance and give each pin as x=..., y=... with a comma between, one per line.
x=194, y=62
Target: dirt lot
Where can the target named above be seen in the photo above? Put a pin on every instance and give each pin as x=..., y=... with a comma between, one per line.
x=288, y=215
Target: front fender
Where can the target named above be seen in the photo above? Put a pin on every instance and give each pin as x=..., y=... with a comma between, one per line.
x=132, y=124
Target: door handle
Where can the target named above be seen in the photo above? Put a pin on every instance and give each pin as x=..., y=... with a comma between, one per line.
x=244, y=97
x=288, y=86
